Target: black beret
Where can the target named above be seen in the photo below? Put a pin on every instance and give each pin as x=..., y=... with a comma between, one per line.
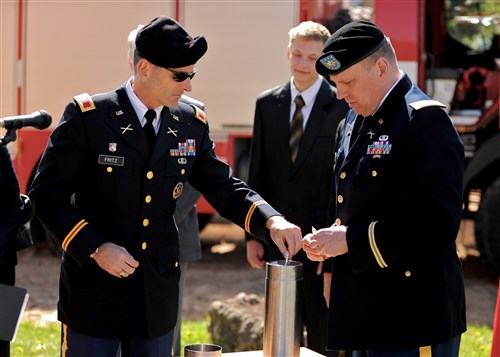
x=165, y=43
x=349, y=45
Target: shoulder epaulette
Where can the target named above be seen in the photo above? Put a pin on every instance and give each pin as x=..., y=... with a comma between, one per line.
x=199, y=114
x=426, y=103
x=84, y=102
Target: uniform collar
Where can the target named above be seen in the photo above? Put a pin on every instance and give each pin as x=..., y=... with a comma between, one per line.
x=140, y=108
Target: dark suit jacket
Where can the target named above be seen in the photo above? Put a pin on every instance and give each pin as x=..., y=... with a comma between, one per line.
x=300, y=192
x=125, y=197
x=399, y=192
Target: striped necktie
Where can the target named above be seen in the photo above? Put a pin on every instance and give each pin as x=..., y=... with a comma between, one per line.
x=296, y=128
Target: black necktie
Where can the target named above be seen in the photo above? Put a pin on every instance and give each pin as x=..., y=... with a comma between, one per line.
x=149, y=130
x=356, y=130
x=296, y=128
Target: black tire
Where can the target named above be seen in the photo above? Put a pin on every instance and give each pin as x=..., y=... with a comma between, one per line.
x=487, y=227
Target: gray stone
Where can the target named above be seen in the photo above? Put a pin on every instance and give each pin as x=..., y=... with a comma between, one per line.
x=237, y=324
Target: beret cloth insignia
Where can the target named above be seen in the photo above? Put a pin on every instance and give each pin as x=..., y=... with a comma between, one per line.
x=165, y=43
x=349, y=45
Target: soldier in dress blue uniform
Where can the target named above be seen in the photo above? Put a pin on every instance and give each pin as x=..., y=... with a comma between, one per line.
x=397, y=283
x=107, y=186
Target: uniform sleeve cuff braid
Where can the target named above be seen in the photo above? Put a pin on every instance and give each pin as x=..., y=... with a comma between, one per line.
x=373, y=245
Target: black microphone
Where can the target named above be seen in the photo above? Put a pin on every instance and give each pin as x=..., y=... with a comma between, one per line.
x=39, y=120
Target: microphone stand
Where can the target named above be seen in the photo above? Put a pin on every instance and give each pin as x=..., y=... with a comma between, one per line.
x=11, y=135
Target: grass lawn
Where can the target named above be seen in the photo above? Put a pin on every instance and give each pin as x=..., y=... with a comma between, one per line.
x=36, y=340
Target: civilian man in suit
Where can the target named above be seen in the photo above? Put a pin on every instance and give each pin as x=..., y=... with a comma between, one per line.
x=185, y=214
x=397, y=284
x=125, y=155
x=295, y=176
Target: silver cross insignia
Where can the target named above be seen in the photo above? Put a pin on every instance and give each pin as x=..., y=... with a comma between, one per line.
x=125, y=129
x=171, y=131
x=371, y=133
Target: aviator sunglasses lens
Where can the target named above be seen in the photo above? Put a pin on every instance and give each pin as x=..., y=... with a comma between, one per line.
x=181, y=76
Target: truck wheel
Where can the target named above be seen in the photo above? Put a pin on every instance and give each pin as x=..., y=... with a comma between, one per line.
x=487, y=227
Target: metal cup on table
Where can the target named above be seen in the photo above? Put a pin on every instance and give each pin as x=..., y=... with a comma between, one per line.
x=202, y=350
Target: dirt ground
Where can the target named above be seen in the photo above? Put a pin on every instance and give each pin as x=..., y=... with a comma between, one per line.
x=223, y=272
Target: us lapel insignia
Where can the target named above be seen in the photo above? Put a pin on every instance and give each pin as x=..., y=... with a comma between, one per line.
x=176, y=118
x=119, y=112
x=112, y=147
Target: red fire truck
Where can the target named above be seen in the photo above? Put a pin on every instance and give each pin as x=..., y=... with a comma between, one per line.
x=52, y=51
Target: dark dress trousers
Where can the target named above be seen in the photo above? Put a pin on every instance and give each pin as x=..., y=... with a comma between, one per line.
x=399, y=191
x=300, y=192
x=98, y=154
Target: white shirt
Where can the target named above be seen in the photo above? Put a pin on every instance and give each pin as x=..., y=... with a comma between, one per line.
x=309, y=96
x=140, y=108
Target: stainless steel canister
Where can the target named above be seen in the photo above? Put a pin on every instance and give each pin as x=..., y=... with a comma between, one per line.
x=283, y=312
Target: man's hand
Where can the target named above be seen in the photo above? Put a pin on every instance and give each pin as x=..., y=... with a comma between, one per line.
x=325, y=243
x=115, y=260
x=283, y=232
x=255, y=254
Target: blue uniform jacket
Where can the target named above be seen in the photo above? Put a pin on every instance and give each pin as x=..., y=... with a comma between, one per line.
x=96, y=184
x=399, y=192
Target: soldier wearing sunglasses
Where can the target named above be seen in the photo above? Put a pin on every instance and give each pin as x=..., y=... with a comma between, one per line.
x=125, y=156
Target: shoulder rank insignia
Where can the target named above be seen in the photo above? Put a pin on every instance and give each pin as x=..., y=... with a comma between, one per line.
x=84, y=102
x=426, y=103
x=199, y=114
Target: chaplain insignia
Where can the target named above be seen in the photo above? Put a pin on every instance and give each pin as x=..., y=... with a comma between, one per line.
x=330, y=62
x=177, y=190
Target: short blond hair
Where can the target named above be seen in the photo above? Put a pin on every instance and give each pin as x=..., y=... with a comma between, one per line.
x=309, y=30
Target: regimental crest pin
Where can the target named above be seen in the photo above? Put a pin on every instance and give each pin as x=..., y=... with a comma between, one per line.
x=177, y=190
x=112, y=147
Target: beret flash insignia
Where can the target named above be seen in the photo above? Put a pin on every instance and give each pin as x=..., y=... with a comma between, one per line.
x=330, y=62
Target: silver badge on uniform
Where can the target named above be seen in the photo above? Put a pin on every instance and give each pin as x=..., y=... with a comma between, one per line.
x=112, y=147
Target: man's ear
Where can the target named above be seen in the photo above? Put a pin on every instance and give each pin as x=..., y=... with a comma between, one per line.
x=382, y=66
x=143, y=68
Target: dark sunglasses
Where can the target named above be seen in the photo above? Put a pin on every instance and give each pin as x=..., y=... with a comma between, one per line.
x=181, y=76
